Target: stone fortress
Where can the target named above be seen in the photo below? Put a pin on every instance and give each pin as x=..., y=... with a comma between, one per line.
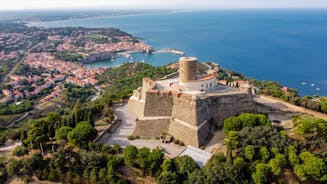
x=189, y=106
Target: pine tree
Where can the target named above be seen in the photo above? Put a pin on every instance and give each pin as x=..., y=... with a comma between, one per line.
x=90, y=118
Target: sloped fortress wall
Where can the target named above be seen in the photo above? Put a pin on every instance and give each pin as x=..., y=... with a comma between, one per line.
x=187, y=119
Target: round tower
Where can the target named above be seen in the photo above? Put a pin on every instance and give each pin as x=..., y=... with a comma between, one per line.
x=187, y=69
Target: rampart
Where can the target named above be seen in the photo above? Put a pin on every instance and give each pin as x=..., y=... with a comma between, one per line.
x=188, y=118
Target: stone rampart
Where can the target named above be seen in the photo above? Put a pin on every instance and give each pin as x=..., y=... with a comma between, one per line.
x=158, y=103
x=151, y=128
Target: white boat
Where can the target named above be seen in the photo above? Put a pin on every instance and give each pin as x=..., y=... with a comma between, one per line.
x=318, y=89
x=304, y=83
x=312, y=84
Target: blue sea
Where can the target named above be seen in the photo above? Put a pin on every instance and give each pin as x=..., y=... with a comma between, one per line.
x=289, y=46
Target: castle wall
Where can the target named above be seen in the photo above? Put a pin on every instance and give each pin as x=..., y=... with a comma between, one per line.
x=191, y=135
x=136, y=106
x=184, y=109
x=225, y=106
x=151, y=128
x=158, y=103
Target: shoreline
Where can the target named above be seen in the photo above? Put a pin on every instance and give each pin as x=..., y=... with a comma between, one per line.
x=171, y=50
x=128, y=54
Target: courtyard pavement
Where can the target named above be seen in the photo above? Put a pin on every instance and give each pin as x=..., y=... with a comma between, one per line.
x=126, y=128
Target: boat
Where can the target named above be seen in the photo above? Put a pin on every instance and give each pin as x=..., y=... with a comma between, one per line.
x=312, y=84
x=304, y=83
x=318, y=89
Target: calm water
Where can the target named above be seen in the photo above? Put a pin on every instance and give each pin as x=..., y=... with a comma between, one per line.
x=289, y=46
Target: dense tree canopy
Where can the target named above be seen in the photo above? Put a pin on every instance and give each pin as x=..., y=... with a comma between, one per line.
x=237, y=123
x=82, y=134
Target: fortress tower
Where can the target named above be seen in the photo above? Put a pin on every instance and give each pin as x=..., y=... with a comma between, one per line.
x=187, y=69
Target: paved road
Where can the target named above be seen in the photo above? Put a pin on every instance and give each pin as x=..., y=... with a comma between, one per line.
x=126, y=128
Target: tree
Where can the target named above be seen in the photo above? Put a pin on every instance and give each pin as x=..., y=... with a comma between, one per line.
x=311, y=166
x=277, y=164
x=168, y=165
x=142, y=158
x=167, y=177
x=249, y=152
x=324, y=106
x=185, y=165
x=260, y=174
x=260, y=136
x=265, y=154
x=156, y=158
x=37, y=135
x=82, y=134
x=231, y=142
x=129, y=154
x=77, y=112
x=196, y=177
x=237, y=123
x=90, y=118
x=63, y=132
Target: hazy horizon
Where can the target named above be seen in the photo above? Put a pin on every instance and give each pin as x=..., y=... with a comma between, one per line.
x=18, y=5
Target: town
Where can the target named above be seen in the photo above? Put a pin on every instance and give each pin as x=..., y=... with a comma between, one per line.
x=59, y=53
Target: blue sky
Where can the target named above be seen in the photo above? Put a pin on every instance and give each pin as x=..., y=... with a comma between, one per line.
x=164, y=4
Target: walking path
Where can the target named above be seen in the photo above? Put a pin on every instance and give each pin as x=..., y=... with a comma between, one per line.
x=285, y=106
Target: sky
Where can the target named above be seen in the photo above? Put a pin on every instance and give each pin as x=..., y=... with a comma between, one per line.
x=158, y=4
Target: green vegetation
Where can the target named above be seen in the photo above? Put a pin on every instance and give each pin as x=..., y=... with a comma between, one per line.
x=69, y=56
x=20, y=151
x=237, y=123
x=62, y=132
x=124, y=79
x=16, y=109
x=312, y=134
x=81, y=134
x=256, y=151
x=274, y=89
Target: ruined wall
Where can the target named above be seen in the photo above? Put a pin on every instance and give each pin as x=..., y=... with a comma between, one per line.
x=158, y=103
x=151, y=128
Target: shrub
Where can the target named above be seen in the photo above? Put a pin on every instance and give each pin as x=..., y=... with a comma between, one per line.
x=20, y=151
x=176, y=141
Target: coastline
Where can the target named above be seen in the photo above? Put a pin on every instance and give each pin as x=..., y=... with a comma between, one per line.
x=127, y=54
x=171, y=50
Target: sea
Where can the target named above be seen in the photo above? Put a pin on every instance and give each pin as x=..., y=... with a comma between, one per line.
x=284, y=45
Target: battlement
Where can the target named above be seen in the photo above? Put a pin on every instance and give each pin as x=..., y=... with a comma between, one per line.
x=149, y=84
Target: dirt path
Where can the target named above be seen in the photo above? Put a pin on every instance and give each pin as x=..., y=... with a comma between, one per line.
x=285, y=106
